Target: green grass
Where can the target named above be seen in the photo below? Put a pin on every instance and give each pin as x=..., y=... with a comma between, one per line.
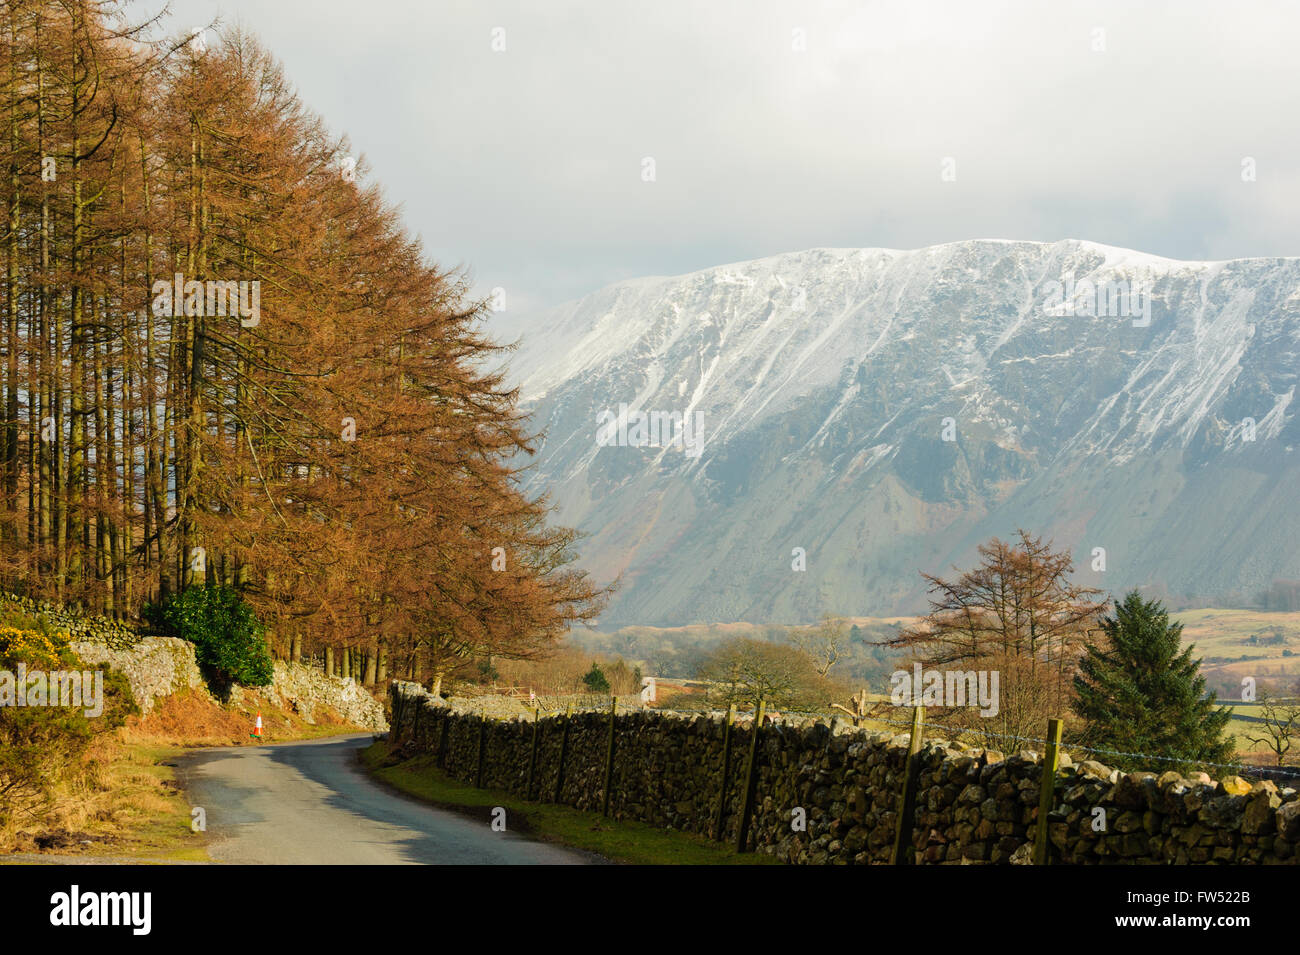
x=619, y=841
x=1223, y=634
x=153, y=813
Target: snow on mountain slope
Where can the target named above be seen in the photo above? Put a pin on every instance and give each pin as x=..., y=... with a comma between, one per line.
x=887, y=410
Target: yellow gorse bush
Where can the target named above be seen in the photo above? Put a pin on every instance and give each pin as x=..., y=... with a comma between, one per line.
x=32, y=647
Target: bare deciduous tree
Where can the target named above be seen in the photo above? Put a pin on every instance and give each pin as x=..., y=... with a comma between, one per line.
x=1018, y=614
x=823, y=643
x=745, y=671
x=1280, y=725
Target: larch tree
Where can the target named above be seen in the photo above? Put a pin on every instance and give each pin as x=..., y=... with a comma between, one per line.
x=227, y=363
x=1016, y=613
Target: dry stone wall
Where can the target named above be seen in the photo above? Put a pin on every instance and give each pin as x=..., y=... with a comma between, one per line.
x=305, y=690
x=972, y=805
x=79, y=626
x=159, y=666
x=154, y=666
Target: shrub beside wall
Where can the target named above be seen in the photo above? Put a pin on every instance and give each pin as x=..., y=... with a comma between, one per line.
x=972, y=805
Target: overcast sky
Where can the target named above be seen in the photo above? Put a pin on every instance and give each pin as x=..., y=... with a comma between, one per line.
x=1124, y=123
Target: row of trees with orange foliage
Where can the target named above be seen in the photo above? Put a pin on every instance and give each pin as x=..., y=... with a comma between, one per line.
x=227, y=363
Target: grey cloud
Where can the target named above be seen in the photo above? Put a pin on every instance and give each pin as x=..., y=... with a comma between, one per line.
x=525, y=165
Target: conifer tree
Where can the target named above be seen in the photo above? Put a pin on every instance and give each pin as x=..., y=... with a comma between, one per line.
x=595, y=679
x=1138, y=691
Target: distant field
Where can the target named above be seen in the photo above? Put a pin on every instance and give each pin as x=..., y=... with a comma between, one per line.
x=706, y=632
x=1235, y=644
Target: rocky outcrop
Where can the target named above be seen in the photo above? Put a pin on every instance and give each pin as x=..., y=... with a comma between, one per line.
x=829, y=796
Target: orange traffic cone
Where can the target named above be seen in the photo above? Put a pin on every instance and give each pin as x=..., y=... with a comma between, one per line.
x=257, y=728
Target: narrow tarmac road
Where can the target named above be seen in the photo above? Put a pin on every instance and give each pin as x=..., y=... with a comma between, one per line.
x=312, y=804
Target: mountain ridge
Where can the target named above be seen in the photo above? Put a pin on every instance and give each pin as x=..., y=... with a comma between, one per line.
x=886, y=410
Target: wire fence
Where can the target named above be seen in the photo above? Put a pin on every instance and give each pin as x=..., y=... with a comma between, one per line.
x=1242, y=768
x=554, y=705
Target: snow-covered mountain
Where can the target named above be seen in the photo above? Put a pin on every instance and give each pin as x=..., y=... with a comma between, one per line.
x=885, y=411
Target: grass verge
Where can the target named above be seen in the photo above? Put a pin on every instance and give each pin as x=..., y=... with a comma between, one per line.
x=150, y=811
x=128, y=805
x=616, y=840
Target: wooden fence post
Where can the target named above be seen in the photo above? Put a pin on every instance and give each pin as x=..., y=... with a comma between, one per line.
x=751, y=782
x=442, y=739
x=902, y=852
x=609, y=755
x=532, y=759
x=1047, y=790
x=482, y=747
x=399, y=713
x=564, y=752
x=726, y=771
